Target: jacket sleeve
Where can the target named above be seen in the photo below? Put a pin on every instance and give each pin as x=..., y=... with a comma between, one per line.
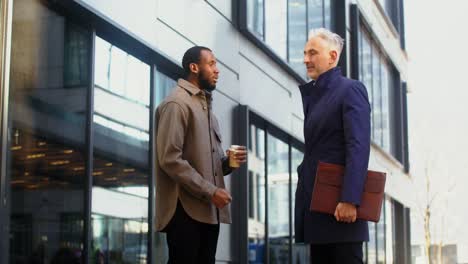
x=356, y=125
x=172, y=126
x=225, y=165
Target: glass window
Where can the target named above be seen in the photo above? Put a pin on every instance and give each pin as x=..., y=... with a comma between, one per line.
x=315, y=9
x=257, y=199
x=300, y=252
x=297, y=157
x=387, y=82
x=381, y=237
x=164, y=86
x=327, y=11
x=389, y=235
x=283, y=26
x=255, y=17
x=364, y=252
x=375, y=73
x=276, y=26
x=372, y=244
x=278, y=205
x=49, y=78
x=278, y=200
x=297, y=34
x=391, y=10
x=366, y=72
x=376, y=96
x=121, y=151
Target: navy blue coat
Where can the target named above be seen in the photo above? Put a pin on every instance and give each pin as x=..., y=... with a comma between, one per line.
x=336, y=130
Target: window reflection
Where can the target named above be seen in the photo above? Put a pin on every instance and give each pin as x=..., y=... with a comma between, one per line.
x=366, y=72
x=256, y=228
x=121, y=151
x=387, y=83
x=164, y=86
x=278, y=200
x=377, y=96
x=327, y=14
x=297, y=157
x=122, y=81
x=375, y=73
x=389, y=235
x=372, y=244
x=381, y=237
x=281, y=185
x=297, y=34
x=283, y=25
x=47, y=107
x=255, y=17
x=276, y=26
x=315, y=9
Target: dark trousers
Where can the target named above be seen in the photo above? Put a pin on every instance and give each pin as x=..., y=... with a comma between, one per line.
x=190, y=241
x=339, y=253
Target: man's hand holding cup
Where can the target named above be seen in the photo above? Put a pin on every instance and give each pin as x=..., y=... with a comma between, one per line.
x=237, y=156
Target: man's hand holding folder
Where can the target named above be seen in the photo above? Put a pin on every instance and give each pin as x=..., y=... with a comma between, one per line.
x=327, y=190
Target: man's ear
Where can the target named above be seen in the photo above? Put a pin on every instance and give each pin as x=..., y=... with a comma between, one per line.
x=333, y=56
x=194, y=68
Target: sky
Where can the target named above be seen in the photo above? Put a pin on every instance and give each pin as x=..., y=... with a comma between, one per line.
x=437, y=44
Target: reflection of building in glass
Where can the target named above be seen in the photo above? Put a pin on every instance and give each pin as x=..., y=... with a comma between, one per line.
x=77, y=154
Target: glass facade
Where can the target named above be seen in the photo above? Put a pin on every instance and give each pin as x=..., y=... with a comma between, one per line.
x=50, y=90
x=47, y=144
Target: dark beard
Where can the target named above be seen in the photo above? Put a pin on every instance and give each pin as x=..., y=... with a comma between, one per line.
x=205, y=85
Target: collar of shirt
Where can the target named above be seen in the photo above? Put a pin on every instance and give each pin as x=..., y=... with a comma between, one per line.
x=194, y=90
x=189, y=87
x=322, y=82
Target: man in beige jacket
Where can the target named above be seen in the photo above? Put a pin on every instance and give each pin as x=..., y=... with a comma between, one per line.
x=191, y=199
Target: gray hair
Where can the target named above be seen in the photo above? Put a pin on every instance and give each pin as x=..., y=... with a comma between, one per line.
x=333, y=39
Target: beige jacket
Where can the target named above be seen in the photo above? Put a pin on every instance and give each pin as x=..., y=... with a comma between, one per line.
x=190, y=160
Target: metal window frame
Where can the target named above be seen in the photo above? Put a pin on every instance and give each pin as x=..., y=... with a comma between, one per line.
x=338, y=23
x=6, y=17
x=397, y=97
x=241, y=22
x=87, y=228
x=274, y=130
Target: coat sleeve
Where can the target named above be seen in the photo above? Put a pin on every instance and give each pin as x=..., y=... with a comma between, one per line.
x=356, y=124
x=172, y=125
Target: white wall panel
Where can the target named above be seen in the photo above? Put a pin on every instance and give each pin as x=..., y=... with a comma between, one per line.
x=199, y=22
x=139, y=19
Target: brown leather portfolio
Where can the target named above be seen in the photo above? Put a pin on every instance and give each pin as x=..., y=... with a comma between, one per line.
x=327, y=191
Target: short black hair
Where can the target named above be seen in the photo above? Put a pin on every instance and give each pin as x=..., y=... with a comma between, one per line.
x=192, y=55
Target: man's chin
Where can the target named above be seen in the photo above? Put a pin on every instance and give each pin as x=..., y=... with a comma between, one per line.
x=210, y=88
x=312, y=76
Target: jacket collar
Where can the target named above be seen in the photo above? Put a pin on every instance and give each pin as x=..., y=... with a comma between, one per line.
x=194, y=90
x=189, y=87
x=321, y=83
